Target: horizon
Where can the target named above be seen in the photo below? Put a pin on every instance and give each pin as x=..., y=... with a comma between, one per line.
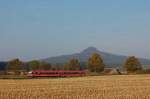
x=40, y=29
x=91, y=47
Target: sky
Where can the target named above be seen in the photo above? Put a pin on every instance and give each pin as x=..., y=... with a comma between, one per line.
x=36, y=29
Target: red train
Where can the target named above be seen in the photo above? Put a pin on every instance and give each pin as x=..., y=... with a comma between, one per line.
x=60, y=73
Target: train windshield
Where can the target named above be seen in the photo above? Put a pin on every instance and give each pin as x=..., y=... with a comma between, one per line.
x=30, y=72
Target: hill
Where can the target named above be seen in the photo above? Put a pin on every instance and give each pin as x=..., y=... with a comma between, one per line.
x=111, y=60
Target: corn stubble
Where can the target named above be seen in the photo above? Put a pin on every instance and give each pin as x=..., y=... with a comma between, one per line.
x=98, y=87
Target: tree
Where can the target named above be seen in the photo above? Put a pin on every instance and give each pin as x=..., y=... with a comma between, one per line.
x=65, y=67
x=33, y=65
x=44, y=66
x=73, y=64
x=3, y=66
x=14, y=65
x=39, y=65
x=95, y=63
x=132, y=64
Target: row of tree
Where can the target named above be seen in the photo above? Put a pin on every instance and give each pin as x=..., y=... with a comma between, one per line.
x=94, y=64
x=17, y=65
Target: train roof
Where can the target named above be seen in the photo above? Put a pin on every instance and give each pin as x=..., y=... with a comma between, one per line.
x=57, y=71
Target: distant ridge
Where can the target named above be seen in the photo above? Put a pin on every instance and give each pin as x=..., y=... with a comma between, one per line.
x=109, y=59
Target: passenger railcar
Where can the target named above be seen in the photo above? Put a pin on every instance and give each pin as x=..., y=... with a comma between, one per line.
x=60, y=73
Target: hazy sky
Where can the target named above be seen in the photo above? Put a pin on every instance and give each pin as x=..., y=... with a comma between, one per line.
x=33, y=29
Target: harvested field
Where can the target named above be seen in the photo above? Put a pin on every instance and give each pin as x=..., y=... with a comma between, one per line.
x=94, y=87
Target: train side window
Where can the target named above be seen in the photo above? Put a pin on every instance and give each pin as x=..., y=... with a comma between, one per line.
x=66, y=73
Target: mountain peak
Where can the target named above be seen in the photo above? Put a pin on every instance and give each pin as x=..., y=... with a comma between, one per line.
x=90, y=50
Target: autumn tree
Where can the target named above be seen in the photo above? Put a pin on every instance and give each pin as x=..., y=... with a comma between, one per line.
x=14, y=65
x=95, y=63
x=132, y=64
x=73, y=64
